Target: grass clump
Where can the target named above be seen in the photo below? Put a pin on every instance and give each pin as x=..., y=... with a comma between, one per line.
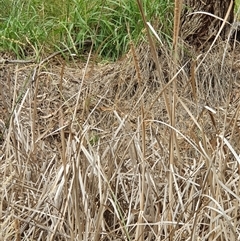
x=42, y=26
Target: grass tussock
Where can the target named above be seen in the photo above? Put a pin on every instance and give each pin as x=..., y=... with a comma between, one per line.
x=85, y=148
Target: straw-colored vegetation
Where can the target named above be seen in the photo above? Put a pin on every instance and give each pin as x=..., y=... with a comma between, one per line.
x=143, y=148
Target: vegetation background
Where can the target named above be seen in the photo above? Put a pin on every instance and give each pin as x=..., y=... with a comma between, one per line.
x=105, y=134
x=45, y=26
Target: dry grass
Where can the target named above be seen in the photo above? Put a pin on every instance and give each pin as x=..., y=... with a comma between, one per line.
x=85, y=148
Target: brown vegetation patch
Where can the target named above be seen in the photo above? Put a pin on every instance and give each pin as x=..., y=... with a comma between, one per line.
x=82, y=144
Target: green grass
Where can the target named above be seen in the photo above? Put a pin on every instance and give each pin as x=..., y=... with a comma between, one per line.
x=43, y=26
x=237, y=5
x=237, y=2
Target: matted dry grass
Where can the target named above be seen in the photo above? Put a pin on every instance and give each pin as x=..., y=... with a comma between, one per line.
x=85, y=149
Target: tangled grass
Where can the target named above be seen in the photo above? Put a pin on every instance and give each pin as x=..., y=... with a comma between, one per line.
x=85, y=148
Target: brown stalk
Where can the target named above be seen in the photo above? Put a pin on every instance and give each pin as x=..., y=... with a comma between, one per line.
x=173, y=140
x=62, y=132
x=154, y=54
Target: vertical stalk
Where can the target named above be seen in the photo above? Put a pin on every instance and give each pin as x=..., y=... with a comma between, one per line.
x=177, y=15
